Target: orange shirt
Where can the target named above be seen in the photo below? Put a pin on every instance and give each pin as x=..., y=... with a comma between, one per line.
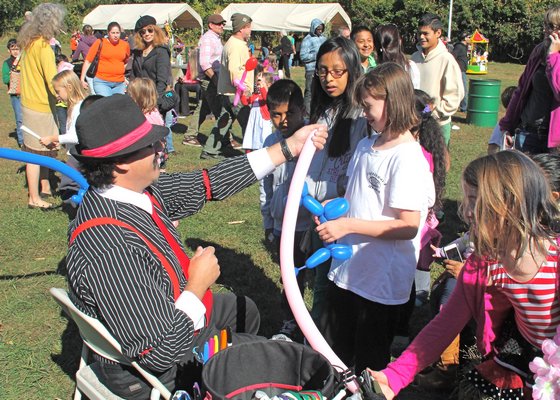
x=112, y=59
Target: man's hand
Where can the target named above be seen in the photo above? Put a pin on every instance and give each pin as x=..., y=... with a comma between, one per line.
x=204, y=270
x=297, y=140
x=508, y=140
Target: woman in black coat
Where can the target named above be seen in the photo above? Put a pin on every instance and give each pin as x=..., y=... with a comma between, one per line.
x=152, y=59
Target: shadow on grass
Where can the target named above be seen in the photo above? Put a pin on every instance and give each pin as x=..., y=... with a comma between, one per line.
x=27, y=276
x=179, y=128
x=71, y=347
x=244, y=277
x=459, y=118
x=60, y=270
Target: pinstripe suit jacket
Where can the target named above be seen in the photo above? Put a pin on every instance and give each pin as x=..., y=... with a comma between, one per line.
x=114, y=277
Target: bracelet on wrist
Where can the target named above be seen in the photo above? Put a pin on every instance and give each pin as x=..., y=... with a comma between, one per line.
x=286, y=150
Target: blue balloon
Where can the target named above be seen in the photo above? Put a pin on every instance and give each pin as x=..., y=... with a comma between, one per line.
x=336, y=208
x=340, y=251
x=48, y=162
x=305, y=190
x=313, y=205
x=317, y=258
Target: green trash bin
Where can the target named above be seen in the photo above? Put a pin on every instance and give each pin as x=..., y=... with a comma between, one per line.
x=484, y=102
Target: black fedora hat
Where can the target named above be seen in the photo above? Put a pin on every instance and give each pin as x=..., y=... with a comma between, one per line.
x=113, y=127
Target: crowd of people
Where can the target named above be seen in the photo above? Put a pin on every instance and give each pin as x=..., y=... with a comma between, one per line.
x=382, y=127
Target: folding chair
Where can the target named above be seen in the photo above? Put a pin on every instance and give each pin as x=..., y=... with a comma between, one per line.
x=97, y=338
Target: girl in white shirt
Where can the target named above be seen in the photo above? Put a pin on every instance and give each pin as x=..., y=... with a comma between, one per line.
x=390, y=190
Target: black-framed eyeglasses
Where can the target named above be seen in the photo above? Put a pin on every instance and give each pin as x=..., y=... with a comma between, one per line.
x=335, y=73
x=144, y=30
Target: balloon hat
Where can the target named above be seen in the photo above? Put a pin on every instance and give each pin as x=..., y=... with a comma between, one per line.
x=250, y=65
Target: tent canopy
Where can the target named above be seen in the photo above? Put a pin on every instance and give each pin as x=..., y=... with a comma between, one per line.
x=293, y=17
x=181, y=14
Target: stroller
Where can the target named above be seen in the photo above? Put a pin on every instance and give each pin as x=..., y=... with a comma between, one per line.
x=275, y=368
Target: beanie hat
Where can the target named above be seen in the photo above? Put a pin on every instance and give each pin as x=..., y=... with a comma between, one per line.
x=238, y=21
x=144, y=21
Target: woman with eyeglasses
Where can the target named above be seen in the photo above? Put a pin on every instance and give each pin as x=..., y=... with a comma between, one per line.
x=113, y=56
x=532, y=120
x=338, y=67
x=152, y=60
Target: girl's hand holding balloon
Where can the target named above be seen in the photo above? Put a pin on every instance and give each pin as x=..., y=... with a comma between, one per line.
x=381, y=379
x=331, y=231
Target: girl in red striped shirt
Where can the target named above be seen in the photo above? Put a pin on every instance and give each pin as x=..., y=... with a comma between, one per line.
x=509, y=285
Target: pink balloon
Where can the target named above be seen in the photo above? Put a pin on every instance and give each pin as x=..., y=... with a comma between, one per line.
x=304, y=320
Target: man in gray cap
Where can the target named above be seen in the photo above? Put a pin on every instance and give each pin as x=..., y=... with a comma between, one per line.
x=209, y=54
x=234, y=56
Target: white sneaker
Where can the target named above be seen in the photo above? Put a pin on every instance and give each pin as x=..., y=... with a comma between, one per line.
x=456, y=127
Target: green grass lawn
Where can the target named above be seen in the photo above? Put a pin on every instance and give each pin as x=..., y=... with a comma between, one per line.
x=39, y=348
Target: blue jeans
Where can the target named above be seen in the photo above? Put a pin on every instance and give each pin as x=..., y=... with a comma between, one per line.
x=16, y=105
x=530, y=143
x=107, y=88
x=442, y=293
x=169, y=137
x=61, y=118
x=307, y=93
x=463, y=105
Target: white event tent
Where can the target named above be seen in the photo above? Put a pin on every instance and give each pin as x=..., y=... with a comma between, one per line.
x=293, y=17
x=180, y=14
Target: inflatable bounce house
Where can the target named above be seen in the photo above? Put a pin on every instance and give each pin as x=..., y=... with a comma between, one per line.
x=477, y=53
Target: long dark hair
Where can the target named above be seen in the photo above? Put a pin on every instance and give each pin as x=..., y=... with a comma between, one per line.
x=388, y=46
x=321, y=101
x=431, y=139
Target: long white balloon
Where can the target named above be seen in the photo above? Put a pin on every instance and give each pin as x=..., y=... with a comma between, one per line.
x=302, y=316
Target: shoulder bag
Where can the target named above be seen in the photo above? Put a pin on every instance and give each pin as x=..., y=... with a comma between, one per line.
x=15, y=79
x=92, y=70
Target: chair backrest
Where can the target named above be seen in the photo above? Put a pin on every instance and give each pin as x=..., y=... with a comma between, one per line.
x=93, y=332
x=100, y=340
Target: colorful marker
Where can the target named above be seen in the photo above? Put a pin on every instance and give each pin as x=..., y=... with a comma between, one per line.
x=223, y=339
x=206, y=353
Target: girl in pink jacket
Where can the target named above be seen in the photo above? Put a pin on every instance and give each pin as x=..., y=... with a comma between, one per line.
x=509, y=285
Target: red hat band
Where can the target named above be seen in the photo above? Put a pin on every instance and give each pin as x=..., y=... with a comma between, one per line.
x=121, y=143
